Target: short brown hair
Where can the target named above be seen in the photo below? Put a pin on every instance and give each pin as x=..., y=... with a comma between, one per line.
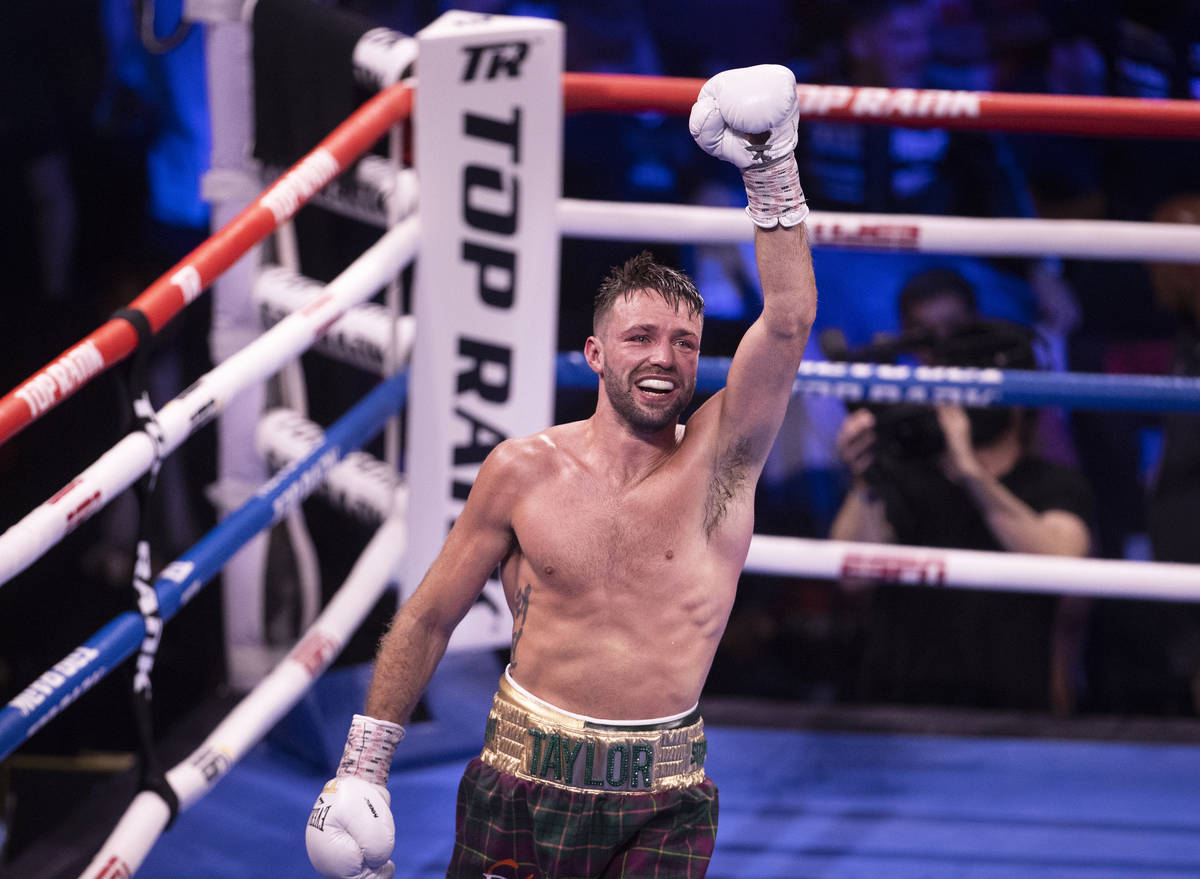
x=643, y=273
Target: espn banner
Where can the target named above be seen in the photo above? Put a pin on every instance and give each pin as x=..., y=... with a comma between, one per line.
x=488, y=149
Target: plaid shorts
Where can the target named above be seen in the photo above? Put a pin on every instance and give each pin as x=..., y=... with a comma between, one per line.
x=555, y=795
x=517, y=828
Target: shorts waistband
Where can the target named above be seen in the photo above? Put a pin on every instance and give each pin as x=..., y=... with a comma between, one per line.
x=531, y=740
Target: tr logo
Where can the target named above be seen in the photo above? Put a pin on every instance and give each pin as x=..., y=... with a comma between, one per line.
x=494, y=58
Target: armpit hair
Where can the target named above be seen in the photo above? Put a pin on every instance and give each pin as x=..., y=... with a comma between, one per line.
x=728, y=476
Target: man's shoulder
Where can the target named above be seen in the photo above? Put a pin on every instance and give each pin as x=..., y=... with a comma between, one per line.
x=525, y=455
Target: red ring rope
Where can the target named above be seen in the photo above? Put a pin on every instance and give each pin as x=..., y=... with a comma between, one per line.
x=166, y=297
x=916, y=108
x=913, y=108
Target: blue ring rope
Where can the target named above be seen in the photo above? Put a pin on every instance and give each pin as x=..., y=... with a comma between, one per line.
x=868, y=382
x=74, y=675
x=88, y=663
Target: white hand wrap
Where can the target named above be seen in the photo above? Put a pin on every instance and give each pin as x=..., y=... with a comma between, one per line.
x=350, y=833
x=738, y=103
x=370, y=745
x=774, y=194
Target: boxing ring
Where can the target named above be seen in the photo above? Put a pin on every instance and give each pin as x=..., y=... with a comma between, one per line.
x=836, y=804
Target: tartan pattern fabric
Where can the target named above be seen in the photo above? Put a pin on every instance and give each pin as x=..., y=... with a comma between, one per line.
x=514, y=828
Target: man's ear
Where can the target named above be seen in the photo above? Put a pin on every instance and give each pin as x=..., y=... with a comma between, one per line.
x=593, y=355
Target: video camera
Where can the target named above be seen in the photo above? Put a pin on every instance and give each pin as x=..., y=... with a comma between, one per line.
x=908, y=431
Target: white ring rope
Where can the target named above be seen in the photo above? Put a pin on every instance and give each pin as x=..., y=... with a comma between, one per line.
x=125, y=462
x=146, y=818
x=1108, y=240
x=361, y=337
x=971, y=569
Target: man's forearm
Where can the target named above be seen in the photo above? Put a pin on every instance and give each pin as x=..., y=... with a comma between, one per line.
x=408, y=655
x=786, y=273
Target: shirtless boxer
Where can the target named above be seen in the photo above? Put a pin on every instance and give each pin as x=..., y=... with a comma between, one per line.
x=620, y=540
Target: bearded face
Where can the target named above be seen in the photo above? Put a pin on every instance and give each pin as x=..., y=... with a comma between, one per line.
x=649, y=399
x=647, y=359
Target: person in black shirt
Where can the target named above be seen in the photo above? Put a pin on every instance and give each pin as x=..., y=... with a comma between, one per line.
x=966, y=480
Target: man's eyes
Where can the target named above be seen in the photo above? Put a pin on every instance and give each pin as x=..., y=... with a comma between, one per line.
x=684, y=343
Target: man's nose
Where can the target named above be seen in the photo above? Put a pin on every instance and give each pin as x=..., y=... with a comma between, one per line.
x=663, y=353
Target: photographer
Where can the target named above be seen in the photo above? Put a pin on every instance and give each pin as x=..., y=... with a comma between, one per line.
x=943, y=476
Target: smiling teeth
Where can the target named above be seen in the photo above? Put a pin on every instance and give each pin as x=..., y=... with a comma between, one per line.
x=655, y=384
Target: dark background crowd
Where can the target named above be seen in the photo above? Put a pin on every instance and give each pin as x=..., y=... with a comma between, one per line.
x=104, y=143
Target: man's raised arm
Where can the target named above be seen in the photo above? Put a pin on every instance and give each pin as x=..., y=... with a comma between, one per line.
x=748, y=117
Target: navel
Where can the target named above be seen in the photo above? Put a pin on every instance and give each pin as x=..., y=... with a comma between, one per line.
x=670, y=554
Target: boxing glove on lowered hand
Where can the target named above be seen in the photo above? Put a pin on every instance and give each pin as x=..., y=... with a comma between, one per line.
x=732, y=110
x=350, y=833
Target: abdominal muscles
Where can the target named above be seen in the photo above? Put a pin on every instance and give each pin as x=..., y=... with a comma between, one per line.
x=626, y=636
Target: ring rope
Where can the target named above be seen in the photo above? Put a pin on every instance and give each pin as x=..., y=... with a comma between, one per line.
x=112, y=342
x=191, y=779
x=145, y=819
x=1109, y=240
x=891, y=383
x=116, y=469
x=188, y=278
x=912, y=108
x=370, y=195
x=360, y=338
x=972, y=569
x=593, y=219
x=175, y=585
x=361, y=485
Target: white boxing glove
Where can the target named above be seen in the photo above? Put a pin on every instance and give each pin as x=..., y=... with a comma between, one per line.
x=734, y=109
x=350, y=832
x=744, y=101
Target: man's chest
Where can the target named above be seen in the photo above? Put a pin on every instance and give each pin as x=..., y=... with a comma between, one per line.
x=576, y=530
